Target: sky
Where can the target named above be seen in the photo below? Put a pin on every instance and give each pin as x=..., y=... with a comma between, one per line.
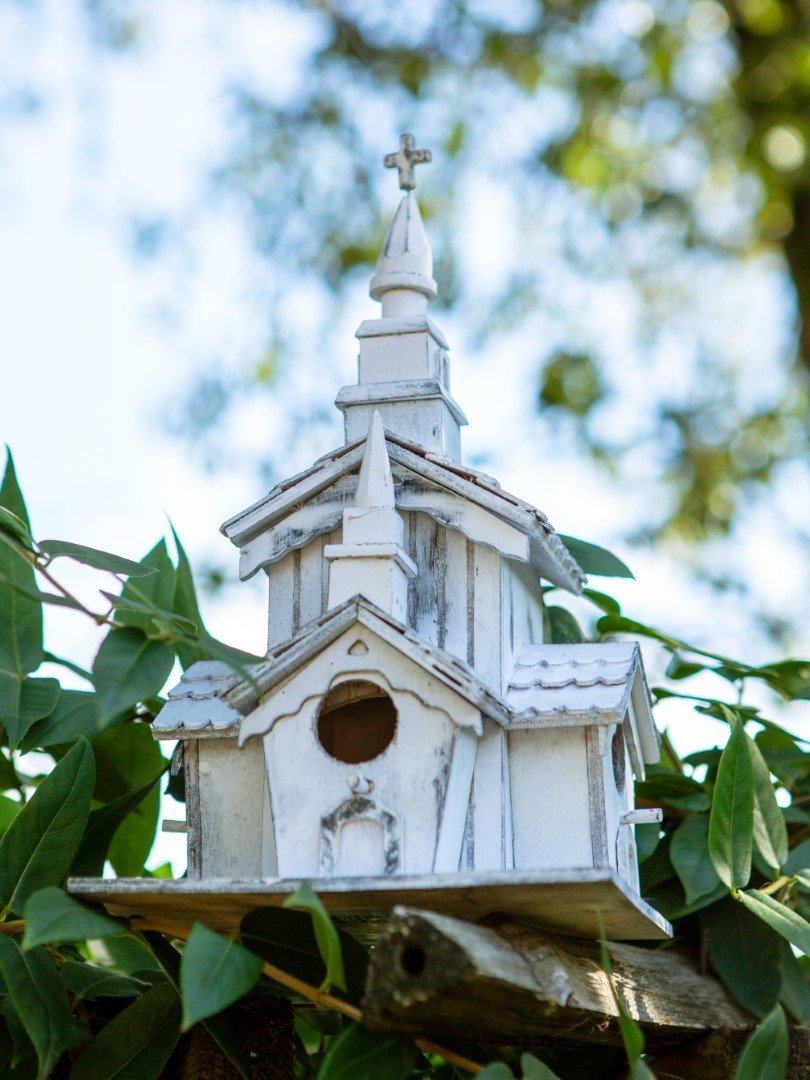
x=92, y=353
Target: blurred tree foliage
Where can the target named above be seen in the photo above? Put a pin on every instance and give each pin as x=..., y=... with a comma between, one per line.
x=672, y=133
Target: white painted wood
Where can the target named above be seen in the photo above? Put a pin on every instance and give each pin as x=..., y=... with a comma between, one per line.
x=409, y=778
x=486, y=571
x=456, y=801
x=281, y=580
x=390, y=562
x=571, y=901
x=452, y=598
x=231, y=800
x=550, y=804
x=491, y=802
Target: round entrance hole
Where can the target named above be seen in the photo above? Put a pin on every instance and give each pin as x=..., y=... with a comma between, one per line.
x=357, y=722
x=412, y=960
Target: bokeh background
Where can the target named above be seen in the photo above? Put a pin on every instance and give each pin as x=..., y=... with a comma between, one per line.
x=191, y=202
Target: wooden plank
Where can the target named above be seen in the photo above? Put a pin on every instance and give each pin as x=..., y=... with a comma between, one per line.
x=568, y=901
x=486, y=570
x=432, y=974
x=281, y=578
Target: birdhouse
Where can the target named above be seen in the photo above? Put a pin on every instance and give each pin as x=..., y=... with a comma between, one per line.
x=410, y=723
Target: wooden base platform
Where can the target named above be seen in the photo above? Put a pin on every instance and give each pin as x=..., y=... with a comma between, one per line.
x=568, y=901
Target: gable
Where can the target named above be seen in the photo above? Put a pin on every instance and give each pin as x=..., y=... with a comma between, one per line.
x=359, y=655
x=312, y=503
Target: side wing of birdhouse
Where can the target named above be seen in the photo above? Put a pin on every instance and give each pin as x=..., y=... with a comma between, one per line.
x=581, y=728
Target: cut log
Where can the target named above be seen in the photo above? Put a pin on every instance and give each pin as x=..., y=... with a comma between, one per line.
x=507, y=983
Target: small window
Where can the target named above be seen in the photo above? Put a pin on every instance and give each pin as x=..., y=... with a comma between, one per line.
x=619, y=760
x=357, y=722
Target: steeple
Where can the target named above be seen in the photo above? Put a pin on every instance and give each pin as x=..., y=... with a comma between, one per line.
x=403, y=368
x=371, y=560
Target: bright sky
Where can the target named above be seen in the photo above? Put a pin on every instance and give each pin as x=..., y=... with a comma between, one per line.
x=89, y=368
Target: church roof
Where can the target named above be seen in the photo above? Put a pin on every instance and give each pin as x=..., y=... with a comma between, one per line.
x=258, y=531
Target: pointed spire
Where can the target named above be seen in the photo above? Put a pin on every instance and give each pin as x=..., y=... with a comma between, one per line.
x=406, y=261
x=375, y=485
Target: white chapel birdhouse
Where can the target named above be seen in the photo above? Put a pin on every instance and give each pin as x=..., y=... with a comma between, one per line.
x=409, y=719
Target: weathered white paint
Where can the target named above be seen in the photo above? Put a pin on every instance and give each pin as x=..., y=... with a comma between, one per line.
x=550, y=807
x=391, y=562
x=231, y=810
x=456, y=801
x=491, y=839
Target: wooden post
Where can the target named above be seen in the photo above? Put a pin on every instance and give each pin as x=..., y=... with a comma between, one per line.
x=507, y=983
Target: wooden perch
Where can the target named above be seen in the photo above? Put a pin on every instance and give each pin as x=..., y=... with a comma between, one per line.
x=510, y=984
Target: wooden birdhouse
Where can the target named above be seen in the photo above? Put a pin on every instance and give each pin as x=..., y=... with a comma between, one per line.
x=410, y=728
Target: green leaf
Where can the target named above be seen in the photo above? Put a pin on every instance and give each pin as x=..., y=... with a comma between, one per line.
x=765, y=1054
x=22, y=1063
x=20, y=617
x=783, y=755
x=225, y=1034
x=496, y=1070
x=770, y=831
x=158, y=618
x=780, y=918
x=287, y=939
x=89, y=556
x=76, y=713
x=184, y=603
x=129, y=668
x=561, y=628
x=102, y=826
x=534, y=1069
x=129, y=758
x=23, y=703
x=594, y=559
x=326, y=935
x=214, y=973
x=731, y=824
x=689, y=855
x=136, y=1044
x=795, y=986
x=9, y=808
x=39, y=845
x=51, y=917
x=36, y=991
x=680, y=792
x=604, y=602
x=89, y=982
x=739, y=946
x=357, y=1054
x=157, y=589
x=15, y=525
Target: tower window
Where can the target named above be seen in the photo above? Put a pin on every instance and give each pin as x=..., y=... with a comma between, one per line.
x=357, y=721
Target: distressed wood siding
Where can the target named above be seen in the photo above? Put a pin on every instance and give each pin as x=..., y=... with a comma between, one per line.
x=521, y=611
x=549, y=786
x=298, y=587
x=490, y=841
x=232, y=787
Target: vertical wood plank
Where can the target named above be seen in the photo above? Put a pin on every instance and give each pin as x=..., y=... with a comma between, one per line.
x=456, y=801
x=311, y=575
x=489, y=801
x=455, y=594
x=424, y=543
x=280, y=606
x=487, y=617
x=596, y=794
x=191, y=763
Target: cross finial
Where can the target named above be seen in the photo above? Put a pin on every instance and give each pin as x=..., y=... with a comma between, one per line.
x=404, y=160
